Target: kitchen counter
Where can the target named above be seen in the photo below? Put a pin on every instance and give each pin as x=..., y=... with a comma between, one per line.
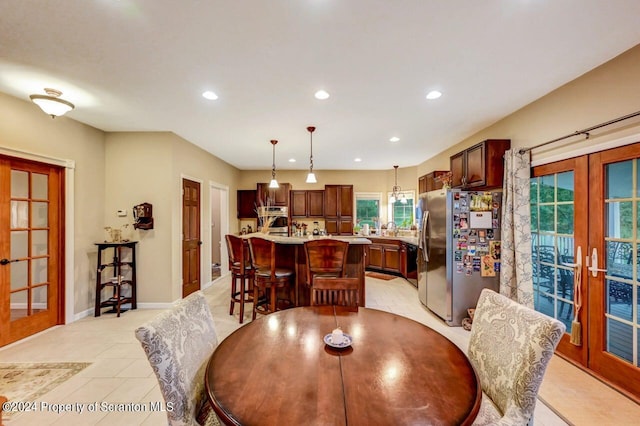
x=405, y=239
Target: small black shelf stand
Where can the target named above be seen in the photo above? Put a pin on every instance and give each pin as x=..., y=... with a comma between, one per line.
x=116, y=282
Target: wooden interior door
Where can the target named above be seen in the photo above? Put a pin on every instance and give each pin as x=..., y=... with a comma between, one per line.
x=191, y=241
x=614, y=293
x=31, y=248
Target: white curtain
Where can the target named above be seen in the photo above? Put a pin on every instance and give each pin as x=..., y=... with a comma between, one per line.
x=516, y=280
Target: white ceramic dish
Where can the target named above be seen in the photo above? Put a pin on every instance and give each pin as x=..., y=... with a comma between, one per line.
x=346, y=341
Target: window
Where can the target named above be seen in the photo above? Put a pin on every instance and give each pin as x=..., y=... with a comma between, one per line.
x=403, y=214
x=368, y=208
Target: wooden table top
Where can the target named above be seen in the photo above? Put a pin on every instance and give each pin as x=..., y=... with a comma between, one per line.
x=278, y=371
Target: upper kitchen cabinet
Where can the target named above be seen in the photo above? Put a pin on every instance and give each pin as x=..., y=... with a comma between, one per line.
x=274, y=197
x=247, y=204
x=338, y=200
x=480, y=166
x=430, y=181
x=307, y=203
x=338, y=209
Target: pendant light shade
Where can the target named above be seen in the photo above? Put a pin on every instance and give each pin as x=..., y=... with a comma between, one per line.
x=311, y=177
x=51, y=103
x=274, y=182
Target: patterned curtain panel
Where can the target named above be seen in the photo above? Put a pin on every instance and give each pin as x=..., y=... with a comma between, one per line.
x=516, y=278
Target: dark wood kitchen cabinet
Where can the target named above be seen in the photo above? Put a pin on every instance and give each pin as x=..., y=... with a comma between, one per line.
x=338, y=209
x=276, y=196
x=387, y=255
x=307, y=203
x=430, y=182
x=480, y=166
x=247, y=204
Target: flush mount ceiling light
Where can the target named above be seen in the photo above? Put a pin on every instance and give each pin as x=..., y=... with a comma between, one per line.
x=274, y=182
x=210, y=95
x=311, y=177
x=394, y=139
x=322, y=95
x=434, y=94
x=396, y=193
x=51, y=103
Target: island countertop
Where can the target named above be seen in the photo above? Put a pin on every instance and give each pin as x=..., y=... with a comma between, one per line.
x=355, y=239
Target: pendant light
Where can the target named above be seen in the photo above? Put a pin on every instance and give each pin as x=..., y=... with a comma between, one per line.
x=396, y=193
x=274, y=182
x=52, y=103
x=311, y=177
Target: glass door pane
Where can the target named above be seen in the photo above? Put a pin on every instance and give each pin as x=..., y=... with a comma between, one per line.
x=552, y=244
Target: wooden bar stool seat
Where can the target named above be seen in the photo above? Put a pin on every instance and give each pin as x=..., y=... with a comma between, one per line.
x=269, y=278
x=242, y=274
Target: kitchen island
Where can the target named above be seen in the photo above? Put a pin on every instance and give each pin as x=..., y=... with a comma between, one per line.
x=290, y=254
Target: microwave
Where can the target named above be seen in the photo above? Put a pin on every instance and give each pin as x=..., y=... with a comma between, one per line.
x=272, y=211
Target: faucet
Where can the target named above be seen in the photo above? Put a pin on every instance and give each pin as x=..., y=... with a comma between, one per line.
x=392, y=225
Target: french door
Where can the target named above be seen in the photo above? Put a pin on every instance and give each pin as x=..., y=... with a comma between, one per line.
x=592, y=202
x=31, y=248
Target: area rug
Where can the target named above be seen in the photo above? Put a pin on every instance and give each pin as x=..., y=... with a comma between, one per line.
x=21, y=382
x=380, y=276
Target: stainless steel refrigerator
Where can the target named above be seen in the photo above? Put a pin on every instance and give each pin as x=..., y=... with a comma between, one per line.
x=459, y=250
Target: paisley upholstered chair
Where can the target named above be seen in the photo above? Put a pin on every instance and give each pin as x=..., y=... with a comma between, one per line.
x=510, y=347
x=178, y=344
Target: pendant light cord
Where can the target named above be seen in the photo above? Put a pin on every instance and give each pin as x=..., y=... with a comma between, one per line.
x=311, y=129
x=273, y=167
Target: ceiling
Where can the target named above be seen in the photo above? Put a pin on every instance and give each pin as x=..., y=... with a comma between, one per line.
x=142, y=65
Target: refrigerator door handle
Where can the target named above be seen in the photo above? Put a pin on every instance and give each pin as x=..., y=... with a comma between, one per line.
x=425, y=237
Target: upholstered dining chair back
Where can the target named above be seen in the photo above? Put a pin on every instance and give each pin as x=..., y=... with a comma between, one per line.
x=178, y=344
x=510, y=347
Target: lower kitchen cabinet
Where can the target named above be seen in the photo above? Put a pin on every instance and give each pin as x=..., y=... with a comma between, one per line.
x=387, y=255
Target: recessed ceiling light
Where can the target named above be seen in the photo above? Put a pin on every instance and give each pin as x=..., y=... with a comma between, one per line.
x=357, y=160
x=292, y=160
x=322, y=95
x=209, y=95
x=394, y=139
x=434, y=94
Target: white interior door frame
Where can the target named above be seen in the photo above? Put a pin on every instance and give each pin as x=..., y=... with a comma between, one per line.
x=224, y=223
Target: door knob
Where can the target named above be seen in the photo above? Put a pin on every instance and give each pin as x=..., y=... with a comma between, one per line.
x=7, y=261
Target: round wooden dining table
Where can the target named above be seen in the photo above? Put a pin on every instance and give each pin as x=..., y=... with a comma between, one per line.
x=277, y=370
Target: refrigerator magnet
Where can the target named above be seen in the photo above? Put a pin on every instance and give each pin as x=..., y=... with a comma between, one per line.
x=458, y=256
x=494, y=249
x=459, y=268
x=488, y=268
x=496, y=266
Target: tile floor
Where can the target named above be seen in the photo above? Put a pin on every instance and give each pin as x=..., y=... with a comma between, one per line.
x=120, y=372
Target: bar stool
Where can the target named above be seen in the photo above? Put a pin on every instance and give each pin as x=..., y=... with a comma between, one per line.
x=268, y=277
x=241, y=272
x=325, y=257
